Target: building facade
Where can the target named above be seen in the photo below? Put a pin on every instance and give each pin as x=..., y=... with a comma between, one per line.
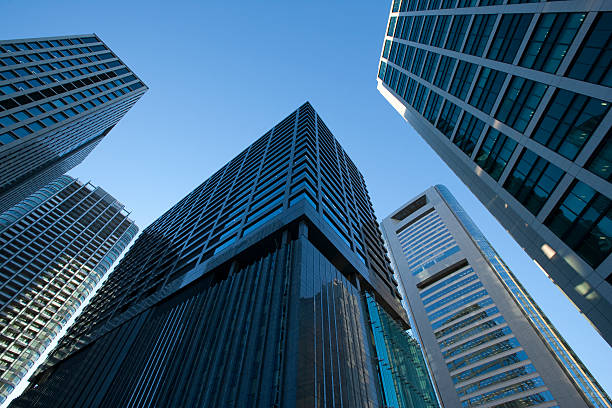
x=515, y=99
x=268, y=285
x=59, y=96
x=487, y=342
x=55, y=246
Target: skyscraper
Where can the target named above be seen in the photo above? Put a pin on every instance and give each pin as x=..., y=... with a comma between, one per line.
x=59, y=96
x=55, y=246
x=268, y=285
x=486, y=340
x=515, y=99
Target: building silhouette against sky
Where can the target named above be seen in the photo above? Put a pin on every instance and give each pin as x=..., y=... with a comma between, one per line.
x=486, y=340
x=55, y=246
x=515, y=99
x=59, y=96
x=268, y=285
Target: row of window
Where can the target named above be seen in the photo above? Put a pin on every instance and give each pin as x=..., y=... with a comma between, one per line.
x=420, y=5
x=546, y=48
x=548, y=45
x=36, y=45
x=462, y=313
x=39, y=80
x=56, y=56
x=43, y=121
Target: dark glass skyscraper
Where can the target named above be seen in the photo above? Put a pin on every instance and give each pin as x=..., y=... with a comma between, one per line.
x=268, y=285
x=59, y=96
x=55, y=246
x=486, y=340
x=515, y=98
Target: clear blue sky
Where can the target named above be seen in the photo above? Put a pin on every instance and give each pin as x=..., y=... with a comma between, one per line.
x=222, y=73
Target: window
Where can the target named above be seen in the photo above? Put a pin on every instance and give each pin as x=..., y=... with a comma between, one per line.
x=508, y=37
x=6, y=138
x=431, y=62
x=494, y=153
x=487, y=88
x=448, y=118
x=405, y=23
x=410, y=88
x=416, y=28
x=532, y=181
x=444, y=71
x=479, y=34
x=457, y=32
x=417, y=64
x=426, y=32
x=7, y=121
x=468, y=133
x=584, y=222
x=550, y=40
x=439, y=33
x=594, y=61
x=569, y=122
x=386, y=49
x=433, y=107
x=419, y=98
x=464, y=75
x=601, y=163
x=407, y=61
x=520, y=102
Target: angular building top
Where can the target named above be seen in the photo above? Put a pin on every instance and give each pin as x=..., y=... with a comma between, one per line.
x=59, y=96
x=487, y=341
x=515, y=98
x=268, y=285
x=296, y=162
x=55, y=246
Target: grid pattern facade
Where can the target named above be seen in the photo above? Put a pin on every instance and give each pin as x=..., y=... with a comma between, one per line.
x=55, y=246
x=515, y=98
x=58, y=97
x=268, y=285
x=297, y=161
x=462, y=314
